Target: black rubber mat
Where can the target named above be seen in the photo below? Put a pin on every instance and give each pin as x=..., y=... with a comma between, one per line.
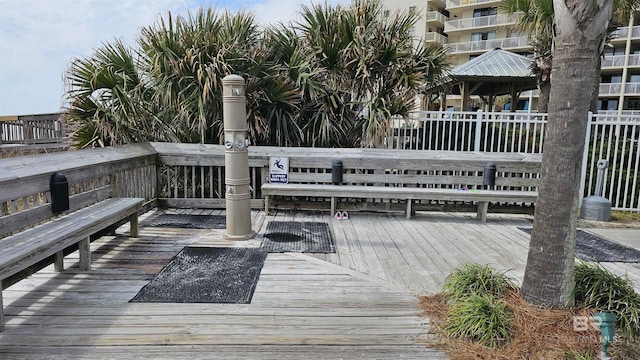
x=591, y=247
x=303, y=237
x=184, y=221
x=206, y=275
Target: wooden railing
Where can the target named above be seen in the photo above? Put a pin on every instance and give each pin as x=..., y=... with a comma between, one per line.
x=92, y=175
x=190, y=175
x=32, y=134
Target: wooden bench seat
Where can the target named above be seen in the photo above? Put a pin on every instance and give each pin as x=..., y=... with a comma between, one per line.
x=482, y=197
x=414, y=177
x=28, y=247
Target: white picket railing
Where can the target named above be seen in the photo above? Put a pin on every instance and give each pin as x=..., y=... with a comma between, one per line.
x=615, y=138
x=610, y=136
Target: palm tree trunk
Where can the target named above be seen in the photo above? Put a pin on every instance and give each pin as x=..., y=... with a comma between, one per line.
x=549, y=274
x=543, y=97
x=595, y=94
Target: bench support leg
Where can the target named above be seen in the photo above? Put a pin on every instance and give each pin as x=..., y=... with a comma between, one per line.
x=1, y=309
x=85, y=254
x=133, y=222
x=58, y=261
x=266, y=205
x=333, y=206
x=408, y=213
x=483, y=208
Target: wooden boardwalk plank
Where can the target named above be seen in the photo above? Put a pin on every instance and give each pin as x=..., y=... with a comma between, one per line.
x=358, y=303
x=301, y=304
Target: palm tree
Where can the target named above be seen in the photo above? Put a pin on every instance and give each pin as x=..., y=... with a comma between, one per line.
x=369, y=69
x=549, y=274
x=186, y=58
x=333, y=79
x=108, y=100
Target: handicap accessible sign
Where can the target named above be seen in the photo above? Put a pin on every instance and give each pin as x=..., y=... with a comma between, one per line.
x=278, y=169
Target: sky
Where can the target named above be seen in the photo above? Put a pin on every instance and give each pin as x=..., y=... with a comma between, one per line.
x=40, y=38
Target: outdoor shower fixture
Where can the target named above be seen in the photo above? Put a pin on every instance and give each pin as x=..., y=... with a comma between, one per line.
x=236, y=160
x=607, y=321
x=597, y=207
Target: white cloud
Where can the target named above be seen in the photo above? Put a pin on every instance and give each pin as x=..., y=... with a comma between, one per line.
x=38, y=39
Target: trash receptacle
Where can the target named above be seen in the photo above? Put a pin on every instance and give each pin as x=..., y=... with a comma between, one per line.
x=489, y=175
x=336, y=171
x=59, y=193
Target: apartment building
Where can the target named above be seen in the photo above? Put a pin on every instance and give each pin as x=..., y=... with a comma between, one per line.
x=471, y=27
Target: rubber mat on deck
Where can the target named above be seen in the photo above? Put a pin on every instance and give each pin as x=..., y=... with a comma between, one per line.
x=185, y=221
x=302, y=237
x=206, y=275
x=592, y=247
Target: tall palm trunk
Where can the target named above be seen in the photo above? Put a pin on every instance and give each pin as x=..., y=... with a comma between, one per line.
x=580, y=27
x=543, y=97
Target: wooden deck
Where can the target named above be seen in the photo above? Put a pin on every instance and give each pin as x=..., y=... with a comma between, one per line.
x=358, y=303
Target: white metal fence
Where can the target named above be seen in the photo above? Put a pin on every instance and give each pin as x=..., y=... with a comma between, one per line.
x=615, y=138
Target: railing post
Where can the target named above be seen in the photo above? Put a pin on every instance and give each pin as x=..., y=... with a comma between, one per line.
x=585, y=158
x=476, y=143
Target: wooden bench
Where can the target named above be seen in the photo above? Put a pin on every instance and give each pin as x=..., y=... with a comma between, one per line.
x=411, y=177
x=482, y=197
x=28, y=247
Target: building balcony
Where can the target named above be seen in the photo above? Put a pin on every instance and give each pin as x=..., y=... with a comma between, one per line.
x=435, y=37
x=614, y=89
x=610, y=89
x=617, y=61
x=436, y=17
x=441, y=4
x=479, y=22
x=632, y=88
x=463, y=3
x=515, y=43
x=623, y=32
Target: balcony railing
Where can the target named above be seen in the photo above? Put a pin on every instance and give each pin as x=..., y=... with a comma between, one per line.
x=436, y=16
x=476, y=46
x=479, y=22
x=460, y=3
x=610, y=88
x=435, y=37
x=618, y=61
x=631, y=88
x=622, y=32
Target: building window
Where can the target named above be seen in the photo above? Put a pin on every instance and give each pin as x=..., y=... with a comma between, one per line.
x=634, y=104
x=485, y=12
x=611, y=79
x=634, y=78
x=412, y=9
x=607, y=104
x=608, y=51
x=387, y=13
x=482, y=36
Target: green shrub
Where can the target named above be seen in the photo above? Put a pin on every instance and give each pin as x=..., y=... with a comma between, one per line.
x=469, y=279
x=480, y=318
x=598, y=288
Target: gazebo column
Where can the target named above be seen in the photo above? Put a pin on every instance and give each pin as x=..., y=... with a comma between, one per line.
x=465, y=96
x=514, y=98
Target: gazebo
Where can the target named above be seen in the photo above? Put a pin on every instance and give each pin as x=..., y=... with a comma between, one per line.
x=494, y=73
